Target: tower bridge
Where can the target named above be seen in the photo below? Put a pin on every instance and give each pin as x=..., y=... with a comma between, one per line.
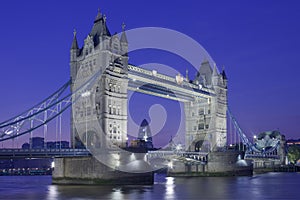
x=100, y=80
x=205, y=96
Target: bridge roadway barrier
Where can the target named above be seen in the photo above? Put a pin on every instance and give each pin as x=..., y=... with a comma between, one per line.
x=42, y=153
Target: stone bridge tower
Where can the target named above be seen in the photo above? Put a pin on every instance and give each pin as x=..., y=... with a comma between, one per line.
x=206, y=117
x=106, y=102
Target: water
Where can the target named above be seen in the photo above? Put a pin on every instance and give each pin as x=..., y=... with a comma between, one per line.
x=262, y=186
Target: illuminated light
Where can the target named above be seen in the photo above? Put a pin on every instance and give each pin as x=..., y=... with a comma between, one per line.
x=178, y=147
x=52, y=192
x=86, y=94
x=134, y=79
x=254, y=136
x=145, y=138
x=8, y=132
x=154, y=72
x=179, y=79
x=137, y=88
x=52, y=164
x=170, y=188
x=170, y=165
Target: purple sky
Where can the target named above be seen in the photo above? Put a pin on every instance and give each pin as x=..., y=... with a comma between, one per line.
x=258, y=42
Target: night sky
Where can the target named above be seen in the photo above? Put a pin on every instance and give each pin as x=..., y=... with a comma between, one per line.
x=258, y=43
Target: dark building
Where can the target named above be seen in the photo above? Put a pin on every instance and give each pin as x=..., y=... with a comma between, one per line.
x=37, y=142
x=58, y=145
x=26, y=146
x=145, y=136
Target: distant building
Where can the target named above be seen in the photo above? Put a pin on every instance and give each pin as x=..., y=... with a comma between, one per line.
x=293, y=142
x=272, y=141
x=145, y=136
x=58, y=145
x=26, y=146
x=37, y=143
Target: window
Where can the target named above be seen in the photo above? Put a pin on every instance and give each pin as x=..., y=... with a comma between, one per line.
x=109, y=109
x=115, y=129
x=200, y=126
x=201, y=111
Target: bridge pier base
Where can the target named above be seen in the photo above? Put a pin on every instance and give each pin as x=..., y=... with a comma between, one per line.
x=228, y=163
x=88, y=170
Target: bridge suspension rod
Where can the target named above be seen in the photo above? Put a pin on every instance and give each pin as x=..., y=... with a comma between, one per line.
x=45, y=111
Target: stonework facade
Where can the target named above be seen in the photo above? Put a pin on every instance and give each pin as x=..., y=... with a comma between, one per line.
x=206, y=127
x=106, y=105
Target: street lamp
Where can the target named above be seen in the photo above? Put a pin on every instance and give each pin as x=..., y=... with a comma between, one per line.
x=254, y=138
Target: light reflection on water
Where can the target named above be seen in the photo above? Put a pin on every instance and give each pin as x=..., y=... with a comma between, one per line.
x=270, y=186
x=170, y=185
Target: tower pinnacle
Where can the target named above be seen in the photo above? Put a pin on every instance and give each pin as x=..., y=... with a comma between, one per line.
x=123, y=35
x=99, y=15
x=74, y=42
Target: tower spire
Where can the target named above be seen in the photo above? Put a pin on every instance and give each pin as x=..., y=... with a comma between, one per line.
x=123, y=35
x=223, y=73
x=187, y=75
x=74, y=42
x=215, y=71
x=99, y=15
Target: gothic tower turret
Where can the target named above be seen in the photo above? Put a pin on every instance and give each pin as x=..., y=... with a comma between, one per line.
x=107, y=103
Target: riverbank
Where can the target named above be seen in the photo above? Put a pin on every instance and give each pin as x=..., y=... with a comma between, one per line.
x=283, y=168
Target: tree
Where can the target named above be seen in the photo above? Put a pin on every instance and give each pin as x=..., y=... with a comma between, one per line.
x=294, y=153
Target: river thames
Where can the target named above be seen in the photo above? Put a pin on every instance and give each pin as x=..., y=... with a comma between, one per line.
x=259, y=186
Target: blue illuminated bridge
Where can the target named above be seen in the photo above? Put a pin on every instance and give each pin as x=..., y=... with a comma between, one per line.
x=49, y=112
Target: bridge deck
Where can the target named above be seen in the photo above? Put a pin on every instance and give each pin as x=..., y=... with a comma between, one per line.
x=42, y=153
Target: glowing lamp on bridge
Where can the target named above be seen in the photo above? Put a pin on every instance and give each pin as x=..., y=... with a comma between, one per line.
x=154, y=72
x=86, y=94
x=179, y=79
x=8, y=132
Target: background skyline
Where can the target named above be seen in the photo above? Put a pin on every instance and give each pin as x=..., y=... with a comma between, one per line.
x=257, y=42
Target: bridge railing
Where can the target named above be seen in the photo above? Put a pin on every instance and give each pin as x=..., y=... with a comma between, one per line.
x=42, y=153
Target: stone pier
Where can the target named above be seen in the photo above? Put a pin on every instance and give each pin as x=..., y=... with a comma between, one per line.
x=88, y=170
x=228, y=163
